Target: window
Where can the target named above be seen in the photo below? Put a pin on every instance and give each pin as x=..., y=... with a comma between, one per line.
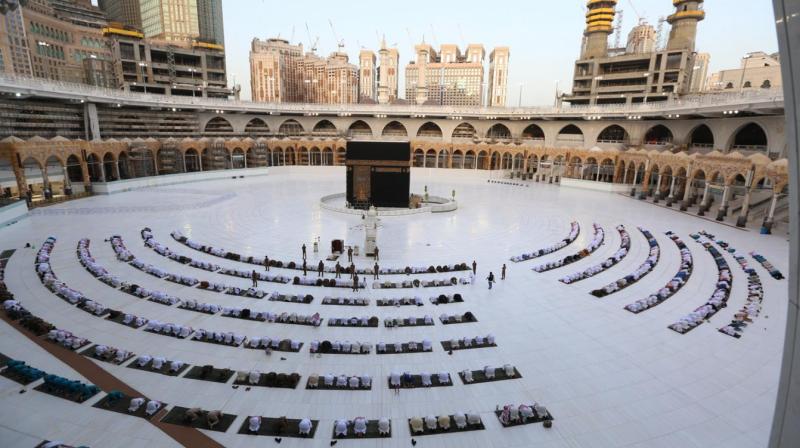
x=766, y=84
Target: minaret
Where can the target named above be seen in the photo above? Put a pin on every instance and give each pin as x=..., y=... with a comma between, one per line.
x=599, y=24
x=683, y=33
x=423, y=56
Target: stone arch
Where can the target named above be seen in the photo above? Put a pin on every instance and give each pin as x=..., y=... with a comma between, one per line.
x=482, y=160
x=701, y=137
x=218, y=125
x=495, y=161
x=327, y=156
x=519, y=161
x=302, y=156
x=192, y=160
x=238, y=158
x=419, y=158
x=394, y=129
x=613, y=134
x=570, y=134
x=498, y=131
x=749, y=137
x=533, y=163
x=457, y=159
x=658, y=135
x=325, y=128
x=430, y=158
x=359, y=129
x=94, y=165
x=257, y=127
x=441, y=159
x=314, y=156
x=464, y=131
x=429, y=130
x=506, y=162
x=470, y=160
x=291, y=128
x=533, y=132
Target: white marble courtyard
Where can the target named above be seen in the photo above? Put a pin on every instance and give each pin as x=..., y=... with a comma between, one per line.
x=607, y=376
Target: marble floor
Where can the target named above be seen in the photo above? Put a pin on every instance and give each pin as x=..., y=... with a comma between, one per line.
x=608, y=377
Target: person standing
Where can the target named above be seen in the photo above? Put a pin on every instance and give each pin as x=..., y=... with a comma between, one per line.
x=321, y=268
x=305, y=268
x=355, y=282
x=352, y=270
x=266, y=262
x=503, y=272
x=254, y=277
x=491, y=279
x=350, y=254
x=377, y=270
x=338, y=270
x=474, y=268
x=377, y=254
x=304, y=251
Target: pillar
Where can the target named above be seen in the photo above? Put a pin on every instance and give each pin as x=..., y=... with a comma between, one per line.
x=102, y=172
x=46, y=183
x=769, y=221
x=687, y=191
x=87, y=180
x=657, y=194
x=67, y=182
x=704, y=202
x=22, y=182
x=741, y=221
x=723, y=206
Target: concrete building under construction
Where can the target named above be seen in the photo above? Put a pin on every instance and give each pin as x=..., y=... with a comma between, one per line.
x=642, y=73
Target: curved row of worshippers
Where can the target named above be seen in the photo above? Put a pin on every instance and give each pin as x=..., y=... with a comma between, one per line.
x=98, y=271
x=222, y=253
x=598, y=238
x=101, y=273
x=591, y=271
x=143, y=407
x=717, y=301
x=75, y=297
x=318, y=280
x=755, y=291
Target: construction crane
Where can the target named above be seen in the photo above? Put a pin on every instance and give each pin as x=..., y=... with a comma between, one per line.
x=339, y=42
x=312, y=41
x=618, y=29
x=660, y=33
x=638, y=16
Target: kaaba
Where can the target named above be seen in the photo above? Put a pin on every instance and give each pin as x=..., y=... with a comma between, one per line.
x=378, y=173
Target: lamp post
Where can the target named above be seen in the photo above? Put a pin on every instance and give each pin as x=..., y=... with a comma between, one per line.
x=191, y=70
x=144, y=75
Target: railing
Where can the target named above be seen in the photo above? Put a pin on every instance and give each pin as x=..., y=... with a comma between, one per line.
x=27, y=85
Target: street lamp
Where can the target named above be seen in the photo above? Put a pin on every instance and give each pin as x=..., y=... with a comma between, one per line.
x=144, y=75
x=191, y=70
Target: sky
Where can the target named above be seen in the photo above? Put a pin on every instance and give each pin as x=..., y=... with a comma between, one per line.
x=544, y=36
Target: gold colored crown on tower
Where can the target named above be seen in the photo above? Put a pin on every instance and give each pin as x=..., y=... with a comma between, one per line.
x=600, y=17
x=697, y=14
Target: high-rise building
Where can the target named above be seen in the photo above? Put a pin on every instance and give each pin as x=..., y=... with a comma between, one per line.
x=126, y=12
x=758, y=70
x=79, y=12
x=174, y=20
x=446, y=78
x=700, y=72
x=52, y=39
x=498, y=76
x=366, y=76
x=209, y=16
x=280, y=72
x=14, y=51
x=274, y=71
x=641, y=39
x=637, y=75
x=388, y=74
